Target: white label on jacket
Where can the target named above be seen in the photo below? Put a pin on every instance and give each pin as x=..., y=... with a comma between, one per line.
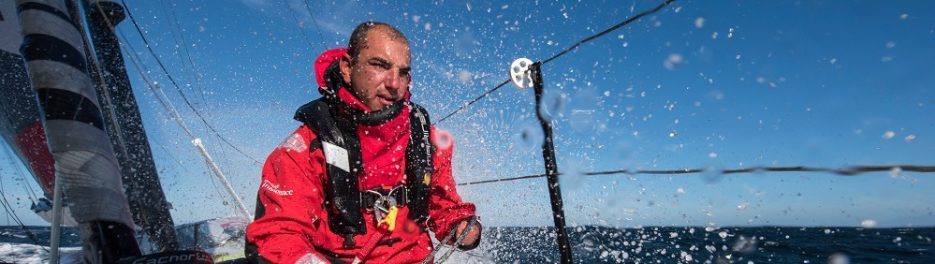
x=294, y=143
x=336, y=156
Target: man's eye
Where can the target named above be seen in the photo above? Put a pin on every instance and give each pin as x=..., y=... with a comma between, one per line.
x=380, y=65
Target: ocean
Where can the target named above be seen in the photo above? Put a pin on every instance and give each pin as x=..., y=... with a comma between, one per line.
x=592, y=244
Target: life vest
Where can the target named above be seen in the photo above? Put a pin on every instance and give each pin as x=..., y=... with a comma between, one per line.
x=335, y=124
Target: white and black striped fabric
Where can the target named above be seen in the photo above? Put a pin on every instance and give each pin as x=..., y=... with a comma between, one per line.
x=58, y=71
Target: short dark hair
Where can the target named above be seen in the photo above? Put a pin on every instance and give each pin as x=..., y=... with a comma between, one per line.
x=358, y=40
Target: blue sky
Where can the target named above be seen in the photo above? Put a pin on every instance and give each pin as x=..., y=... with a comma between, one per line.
x=723, y=84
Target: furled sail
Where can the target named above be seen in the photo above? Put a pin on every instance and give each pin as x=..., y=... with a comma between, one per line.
x=85, y=166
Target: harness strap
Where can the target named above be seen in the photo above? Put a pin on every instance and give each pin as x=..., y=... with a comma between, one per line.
x=337, y=136
x=341, y=147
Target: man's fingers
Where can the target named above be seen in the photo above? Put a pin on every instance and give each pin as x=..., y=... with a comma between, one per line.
x=471, y=236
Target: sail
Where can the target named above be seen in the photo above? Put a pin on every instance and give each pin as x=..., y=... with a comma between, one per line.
x=86, y=169
x=20, y=123
x=125, y=126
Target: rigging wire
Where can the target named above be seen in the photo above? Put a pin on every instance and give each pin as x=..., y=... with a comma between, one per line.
x=296, y=19
x=32, y=193
x=177, y=161
x=847, y=171
x=485, y=94
x=315, y=22
x=179, y=89
x=12, y=213
x=157, y=91
x=177, y=28
x=565, y=51
x=198, y=76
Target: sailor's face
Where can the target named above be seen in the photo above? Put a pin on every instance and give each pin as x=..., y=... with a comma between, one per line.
x=379, y=76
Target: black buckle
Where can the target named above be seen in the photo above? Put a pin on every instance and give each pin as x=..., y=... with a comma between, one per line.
x=399, y=193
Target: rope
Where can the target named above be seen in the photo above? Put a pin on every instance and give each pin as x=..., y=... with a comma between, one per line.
x=471, y=222
x=565, y=51
x=178, y=87
x=848, y=171
x=296, y=20
x=315, y=22
x=180, y=42
x=12, y=213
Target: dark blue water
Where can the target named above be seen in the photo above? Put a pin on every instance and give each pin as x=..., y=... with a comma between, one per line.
x=725, y=245
x=41, y=234
x=673, y=244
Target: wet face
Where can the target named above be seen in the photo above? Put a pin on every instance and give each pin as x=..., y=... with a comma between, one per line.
x=379, y=76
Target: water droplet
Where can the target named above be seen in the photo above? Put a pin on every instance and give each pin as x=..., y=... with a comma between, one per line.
x=588, y=242
x=582, y=119
x=745, y=245
x=442, y=139
x=838, y=258
x=673, y=61
x=712, y=174
x=889, y=134
x=699, y=22
x=869, y=223
x=895, y=172
x=553, y=103
x=530, y=136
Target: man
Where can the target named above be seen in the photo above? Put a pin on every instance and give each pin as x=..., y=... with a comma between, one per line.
x=363, y=179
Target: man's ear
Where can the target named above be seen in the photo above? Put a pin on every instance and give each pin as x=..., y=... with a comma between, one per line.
x=346, y=67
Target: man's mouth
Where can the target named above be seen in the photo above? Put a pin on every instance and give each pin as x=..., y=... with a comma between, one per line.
x=386, y=100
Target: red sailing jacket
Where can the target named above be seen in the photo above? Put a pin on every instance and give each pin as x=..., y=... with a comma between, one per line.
x=292, y=221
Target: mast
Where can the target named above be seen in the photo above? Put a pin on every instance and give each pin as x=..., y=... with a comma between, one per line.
x=125, y=126
x=551, y=169
x=85, y=165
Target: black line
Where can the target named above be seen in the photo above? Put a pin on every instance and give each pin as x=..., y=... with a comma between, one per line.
x=504, y=179
x=848, y=171
x=177, y=28
x=566, y=50
x=45, y=47
x=296, y=21
x=485, y=94
x=58, y=104
x=178, y=88
x=615, y=27
x=315, y=22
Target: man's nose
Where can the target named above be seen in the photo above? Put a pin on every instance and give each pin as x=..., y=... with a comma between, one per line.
x=396, y=81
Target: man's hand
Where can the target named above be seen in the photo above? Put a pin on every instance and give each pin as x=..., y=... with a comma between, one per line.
x=472, y=237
